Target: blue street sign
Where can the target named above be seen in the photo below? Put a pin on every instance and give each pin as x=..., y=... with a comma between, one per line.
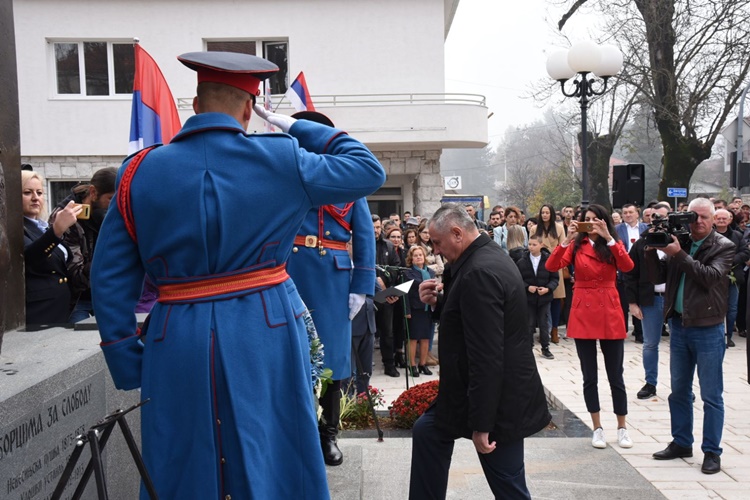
x=674, y=192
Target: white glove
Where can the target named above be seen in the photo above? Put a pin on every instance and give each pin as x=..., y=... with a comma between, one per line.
x=356, y=301
x=284, y=122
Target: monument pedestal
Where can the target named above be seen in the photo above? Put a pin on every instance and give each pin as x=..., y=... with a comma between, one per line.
x=54, y=385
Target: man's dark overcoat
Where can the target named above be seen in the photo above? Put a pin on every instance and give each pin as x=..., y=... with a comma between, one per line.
x=488, y=376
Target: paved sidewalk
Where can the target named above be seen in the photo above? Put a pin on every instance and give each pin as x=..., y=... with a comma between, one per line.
x=570, y=467
x=649, y=422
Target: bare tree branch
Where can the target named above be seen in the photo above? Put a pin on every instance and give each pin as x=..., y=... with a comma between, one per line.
x=570, y=12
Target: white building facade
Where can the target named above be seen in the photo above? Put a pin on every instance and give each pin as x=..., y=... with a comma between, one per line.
x=375, y=68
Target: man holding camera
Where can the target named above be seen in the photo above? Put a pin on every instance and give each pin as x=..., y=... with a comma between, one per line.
x=695, y=303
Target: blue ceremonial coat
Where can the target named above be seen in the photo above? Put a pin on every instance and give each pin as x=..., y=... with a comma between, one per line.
x=228, y=376
x=326, y=278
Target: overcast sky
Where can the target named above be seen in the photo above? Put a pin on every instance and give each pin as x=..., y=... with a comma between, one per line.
x=497, y=49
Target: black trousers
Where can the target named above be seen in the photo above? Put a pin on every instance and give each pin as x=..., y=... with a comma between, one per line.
x=384, y=322
x=432, y=449
x=613, y=351
x=399, y=325
x=362, y=346
x=538, y=317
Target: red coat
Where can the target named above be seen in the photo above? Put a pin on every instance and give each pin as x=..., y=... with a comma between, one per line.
x=595, y=312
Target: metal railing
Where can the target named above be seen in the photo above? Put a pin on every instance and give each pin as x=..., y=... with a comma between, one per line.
x=348, y=100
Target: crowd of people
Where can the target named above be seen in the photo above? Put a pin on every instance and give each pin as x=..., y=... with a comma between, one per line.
x=488, y=287
x=690, y=287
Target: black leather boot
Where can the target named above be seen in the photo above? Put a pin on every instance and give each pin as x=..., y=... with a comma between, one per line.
x=399, y=359
x=328, y=427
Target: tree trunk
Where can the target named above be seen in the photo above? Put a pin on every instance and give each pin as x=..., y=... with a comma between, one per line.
x=599, y=152
x=682, y=154
x=681, y=157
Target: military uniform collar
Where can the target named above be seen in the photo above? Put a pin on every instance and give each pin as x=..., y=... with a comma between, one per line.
x=208, y=121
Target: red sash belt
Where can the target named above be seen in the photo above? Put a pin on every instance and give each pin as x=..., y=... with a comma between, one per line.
x=315, y=242
x=224, y=285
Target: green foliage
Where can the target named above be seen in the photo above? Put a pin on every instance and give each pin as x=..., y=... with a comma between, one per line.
x=355, y=410
x=558, y=187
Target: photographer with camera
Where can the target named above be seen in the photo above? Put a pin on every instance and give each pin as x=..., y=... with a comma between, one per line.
x=695, y=303
x=81, y=236
x=646, y=303
x=593, y=247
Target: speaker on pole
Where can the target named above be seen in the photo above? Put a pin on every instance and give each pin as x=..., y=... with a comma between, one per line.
x=628, y=184
x=741, y=180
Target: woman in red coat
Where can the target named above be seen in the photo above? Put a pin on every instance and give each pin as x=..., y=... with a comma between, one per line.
x=595, y=313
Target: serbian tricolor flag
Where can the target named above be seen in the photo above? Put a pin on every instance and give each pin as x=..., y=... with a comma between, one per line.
x=298, y=94
x=154, y=117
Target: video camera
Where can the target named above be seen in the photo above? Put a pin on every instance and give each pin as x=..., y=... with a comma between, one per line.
x=675, y=223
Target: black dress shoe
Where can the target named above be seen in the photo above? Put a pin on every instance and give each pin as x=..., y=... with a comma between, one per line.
x=639, y=339
x=391, y=371
x=711, y=463
x=730, y=343
x=425, y=370
x=673, y=450
x=331, y=453
x=414, y=371
x=400, y=360
x=648, y=391
x=742, y=333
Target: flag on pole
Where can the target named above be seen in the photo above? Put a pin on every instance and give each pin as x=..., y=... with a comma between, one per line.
x=153, y=117
x=268, y=105
x=298, y=94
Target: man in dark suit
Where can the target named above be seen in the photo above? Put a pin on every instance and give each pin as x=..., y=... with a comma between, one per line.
x=629, y=231
x=385, y=256
x=490, y=390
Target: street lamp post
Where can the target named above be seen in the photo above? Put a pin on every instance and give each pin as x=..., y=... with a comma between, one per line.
x=584, y=59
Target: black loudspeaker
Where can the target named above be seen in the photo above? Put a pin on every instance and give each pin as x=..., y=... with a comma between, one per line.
x=743, y=180
x=628, y=184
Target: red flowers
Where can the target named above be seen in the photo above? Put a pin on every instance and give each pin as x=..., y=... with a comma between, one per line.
x=411, y=404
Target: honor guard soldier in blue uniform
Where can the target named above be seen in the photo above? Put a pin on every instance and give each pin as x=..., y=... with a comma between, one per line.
x=333, y=286
x=224, y=359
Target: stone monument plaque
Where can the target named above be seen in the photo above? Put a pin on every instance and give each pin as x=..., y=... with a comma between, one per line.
x=35, y=448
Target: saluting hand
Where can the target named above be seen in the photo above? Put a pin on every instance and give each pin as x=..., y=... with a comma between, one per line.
x=284, y=122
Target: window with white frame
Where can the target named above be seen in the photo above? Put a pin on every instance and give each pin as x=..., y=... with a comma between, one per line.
x=274, y=51
x=93, y=68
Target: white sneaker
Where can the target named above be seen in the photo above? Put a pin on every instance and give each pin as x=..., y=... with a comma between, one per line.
x=598, y=440
x=623, y=438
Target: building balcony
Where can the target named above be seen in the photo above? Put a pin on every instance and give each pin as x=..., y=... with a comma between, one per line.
x=395, y=121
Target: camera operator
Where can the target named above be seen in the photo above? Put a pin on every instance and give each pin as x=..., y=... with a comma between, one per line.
x=722, y=221
x=695, y=303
